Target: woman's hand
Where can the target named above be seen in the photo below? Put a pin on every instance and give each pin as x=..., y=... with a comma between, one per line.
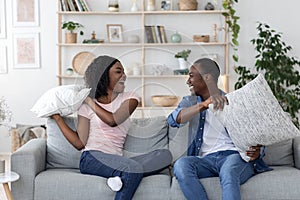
x=254, y=152
x=56, y=117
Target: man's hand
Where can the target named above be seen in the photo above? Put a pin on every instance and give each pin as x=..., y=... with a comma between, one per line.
x=254, y=152
x=219, y=101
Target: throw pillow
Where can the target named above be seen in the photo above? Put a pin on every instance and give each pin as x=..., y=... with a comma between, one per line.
x=145, y=135
x=61, y=153
x=254, y=116
x=63, y=100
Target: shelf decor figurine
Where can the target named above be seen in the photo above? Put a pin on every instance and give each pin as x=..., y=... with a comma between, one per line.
x=209, y=6
x=70, y=26
x=93, y=39
x=182, y=58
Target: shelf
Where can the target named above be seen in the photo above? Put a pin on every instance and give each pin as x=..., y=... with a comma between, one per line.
x=170, y=12
x=143, y=44
x=100, y=44
x=148, y=55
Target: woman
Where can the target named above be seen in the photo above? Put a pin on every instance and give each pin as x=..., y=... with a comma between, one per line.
x=103, y=123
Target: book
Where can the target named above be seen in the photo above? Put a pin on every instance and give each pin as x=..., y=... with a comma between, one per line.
x=71, y=5
x=154, y=34
x=86, y=5
x=83, y=5
x=79, y=6
x=149, y=35
x=159, y=34
x=163, y=34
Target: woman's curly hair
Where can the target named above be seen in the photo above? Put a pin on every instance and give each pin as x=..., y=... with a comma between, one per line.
x=96, y=76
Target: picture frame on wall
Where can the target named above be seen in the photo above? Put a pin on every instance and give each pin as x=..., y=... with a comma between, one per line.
x=3, y=60
x=26, y=50
x=25, y=13
x=114, y=32
x=2, y=19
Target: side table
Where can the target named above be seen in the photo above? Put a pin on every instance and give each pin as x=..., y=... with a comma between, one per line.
x=6, y=178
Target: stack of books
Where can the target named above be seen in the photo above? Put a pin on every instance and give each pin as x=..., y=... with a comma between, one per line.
x=74, y=5
x=155, y=34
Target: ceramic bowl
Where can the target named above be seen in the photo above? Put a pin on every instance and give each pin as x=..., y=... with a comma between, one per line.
x=164, y=100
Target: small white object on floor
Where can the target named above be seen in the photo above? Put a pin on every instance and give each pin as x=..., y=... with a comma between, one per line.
x=115, y=183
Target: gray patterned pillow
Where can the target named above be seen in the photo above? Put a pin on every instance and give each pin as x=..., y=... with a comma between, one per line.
x=254, y=116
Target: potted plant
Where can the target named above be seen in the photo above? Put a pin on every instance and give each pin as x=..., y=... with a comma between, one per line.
x=71, y=27
x=5, y=113
x=182, y=58
x=280, y=69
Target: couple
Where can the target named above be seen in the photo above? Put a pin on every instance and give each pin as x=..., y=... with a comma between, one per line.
x=103, y=123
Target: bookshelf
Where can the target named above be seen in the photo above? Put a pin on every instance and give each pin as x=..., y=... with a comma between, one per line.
x=156, y=61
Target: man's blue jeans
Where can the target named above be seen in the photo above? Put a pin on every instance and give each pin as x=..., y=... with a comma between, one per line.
x=130, y=170
x=228, y=165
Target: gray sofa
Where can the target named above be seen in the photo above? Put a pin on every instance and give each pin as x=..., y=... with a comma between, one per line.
x=49, y=168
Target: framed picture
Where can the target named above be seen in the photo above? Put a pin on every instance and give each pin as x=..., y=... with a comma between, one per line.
x=3, y=60
x=26, y=50
x=2, y=19
x=114, y=32
x=25, y=12
x=166, y=5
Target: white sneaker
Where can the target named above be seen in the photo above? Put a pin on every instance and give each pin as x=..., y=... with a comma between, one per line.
x=115, y=183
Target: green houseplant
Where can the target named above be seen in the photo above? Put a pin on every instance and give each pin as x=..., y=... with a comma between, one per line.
x=233, y=26
x=183, y=54
x=278, y=67
x=71, y=27
x=182, y=58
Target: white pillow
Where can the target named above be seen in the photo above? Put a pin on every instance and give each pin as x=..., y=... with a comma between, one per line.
x=254, y=116
x=63, y=100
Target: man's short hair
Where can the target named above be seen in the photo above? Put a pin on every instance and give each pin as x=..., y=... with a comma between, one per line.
x=208, y=66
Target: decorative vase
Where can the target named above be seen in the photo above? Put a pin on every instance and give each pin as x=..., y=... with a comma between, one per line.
x=176, y=38
x=69, y=71
x=183, y=64
x=134, y=7
x=133, y=39
x=113, y=5
x=71, y=37
x=151, y=5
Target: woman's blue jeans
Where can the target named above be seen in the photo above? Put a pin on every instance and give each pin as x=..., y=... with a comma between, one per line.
x=130, y=170
x=228, y=165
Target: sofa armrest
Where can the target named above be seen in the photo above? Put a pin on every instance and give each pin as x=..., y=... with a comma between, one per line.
x=296, y=149
x=28, y=161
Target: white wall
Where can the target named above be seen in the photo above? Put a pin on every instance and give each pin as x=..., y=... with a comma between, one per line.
x=22, y=88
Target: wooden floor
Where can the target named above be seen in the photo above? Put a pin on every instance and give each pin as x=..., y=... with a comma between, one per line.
x=7, y=168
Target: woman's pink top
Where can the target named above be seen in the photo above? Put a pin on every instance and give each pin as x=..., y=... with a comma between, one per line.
x=102, y=137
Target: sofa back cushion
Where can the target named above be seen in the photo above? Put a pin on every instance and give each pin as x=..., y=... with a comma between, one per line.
x=280, y=153
x=60, y=153
x=145, y=135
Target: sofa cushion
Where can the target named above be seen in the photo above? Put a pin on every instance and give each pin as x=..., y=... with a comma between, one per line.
x=254, y=116
x=60, y=153
x=280, y=153
x=72, y=185
x=145, y=135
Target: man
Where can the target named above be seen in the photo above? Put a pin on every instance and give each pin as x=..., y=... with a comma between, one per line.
x=211, y=152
